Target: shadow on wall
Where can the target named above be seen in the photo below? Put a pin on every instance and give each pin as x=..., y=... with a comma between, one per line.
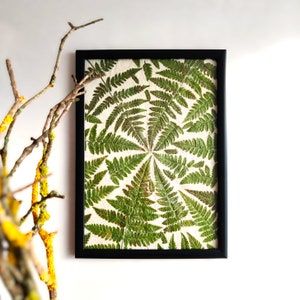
x=71, y=142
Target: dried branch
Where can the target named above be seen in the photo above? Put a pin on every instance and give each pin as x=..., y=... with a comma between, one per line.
x=17, y=275
x=52, y=194
x=16, y=110
x=12, y=80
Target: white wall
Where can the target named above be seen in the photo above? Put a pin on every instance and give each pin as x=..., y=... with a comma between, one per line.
x=263, y=103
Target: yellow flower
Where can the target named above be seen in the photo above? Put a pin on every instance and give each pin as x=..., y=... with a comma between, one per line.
x=6, y=122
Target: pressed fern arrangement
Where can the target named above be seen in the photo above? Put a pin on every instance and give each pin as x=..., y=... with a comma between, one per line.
x=18, y=263
x=150, y=177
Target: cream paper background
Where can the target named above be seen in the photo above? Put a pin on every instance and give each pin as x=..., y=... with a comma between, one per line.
x=121, y=66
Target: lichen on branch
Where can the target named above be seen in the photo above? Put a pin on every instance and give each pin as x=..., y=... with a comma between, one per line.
x=16, y=249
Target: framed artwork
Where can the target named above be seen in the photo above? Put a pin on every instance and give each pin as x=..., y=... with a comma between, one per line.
x=150, y=154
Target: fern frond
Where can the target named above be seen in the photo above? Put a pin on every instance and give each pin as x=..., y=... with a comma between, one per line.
x=184, y=242
x=130, y=122
x=137, y=62
x=100, y=67
x=121, y=108
x=169, y=174
x=175, y=65
x=86, y=238
x=203, y=81
x=117, y=97
x=120, y=168
x=157, y=121
x=96, y=194
x=129, y=92
x=100, y=91
x=208, y=198
x=147, y=70
x=92, y=119
x=89, y=184
x=109, y=142
x=136, y=206
x=178, y=164
x=111, y=216
x=172, y=74
x=106, y=232
x=172, y=244
x=174, y=90
x=206, y=68
x=168, y=99
x=155, y=62
x=203, y=218
x=198, y=147
x=103, y=246
x=206, y=177
x=86, y=218
x=194, y=243
x=168, y=135
x=120, y=78
x=200, y=107
x=172, y=210
x=91, y=166
x=207, y=122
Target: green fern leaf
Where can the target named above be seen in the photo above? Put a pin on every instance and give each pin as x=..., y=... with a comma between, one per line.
x=121, y=108
x=169, y=174
x=205, y=123
x=184, y=242
x=131, y=123
x=117, y=97
x=208, y=198
x=147, y=70
x=137, y=62
x=86, y=238
x=173, y=90
x=172, y=74
x=129, y=92
x=166, y=97
x=91, y=166
x=103, y=246
x=86, y=218
x=136, y=206
x=100, y=91
x=168, y=135
x=176, y=163
x=111, y=216
x=203, y=81
x=175, y=65
x=100, y=67
x=200, y=107
x=203, y=218
x=198, y=147
x=173, y=211
x=110, y=142
x=194, y=243
x=172, y=244
x=155, y=62
x=92, y=119
x=96, y=194
x=120, y=168
x=205, y=177
x=106, y=232
x=120, y=78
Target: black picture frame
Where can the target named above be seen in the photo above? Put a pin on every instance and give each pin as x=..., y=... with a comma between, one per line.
x=221, y=252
